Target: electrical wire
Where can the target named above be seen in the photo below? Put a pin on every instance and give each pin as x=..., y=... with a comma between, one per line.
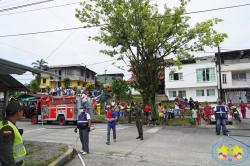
x=49, y=31
x=26, y=5
x=67, y=29
x=44, y=8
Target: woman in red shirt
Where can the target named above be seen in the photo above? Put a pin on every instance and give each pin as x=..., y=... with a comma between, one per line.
x=243, y=109
x=207, y=113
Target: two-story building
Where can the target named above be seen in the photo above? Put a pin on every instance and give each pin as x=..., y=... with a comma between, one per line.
x=78, y=76
x=235, y=75
x=195, y=78
x=109, y=78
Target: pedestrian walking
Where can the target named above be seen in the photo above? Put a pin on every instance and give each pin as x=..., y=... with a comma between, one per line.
x=12, y=150
x=194, y=117
x=83, y=125
x=139, y=120
x=111, y=117
x=220, y=117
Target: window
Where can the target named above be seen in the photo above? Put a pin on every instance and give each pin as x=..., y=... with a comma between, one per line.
x=79, y=83
x=113, y=78
x=200, y=92
x=210, y=92
x=93, y=76
x=176, y=76
x=44, y=80
x=224, y=78
x=172, y=93
x=239, y=76
x=182, y=93
x=206, y=74
x=87, y=74
x=60, y=72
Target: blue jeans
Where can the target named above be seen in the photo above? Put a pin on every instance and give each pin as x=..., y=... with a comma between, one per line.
x=108, y=132
x=221, y=123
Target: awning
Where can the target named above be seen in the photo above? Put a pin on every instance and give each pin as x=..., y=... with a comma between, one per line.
x=8, y=67
x=7, y=82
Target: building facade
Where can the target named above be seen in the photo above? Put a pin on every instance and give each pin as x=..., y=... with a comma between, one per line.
x=109, y=78
x=77, y=75
x=196, y=79
x=235, y=75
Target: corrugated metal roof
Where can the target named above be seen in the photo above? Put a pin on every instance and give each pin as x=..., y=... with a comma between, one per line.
x=7, y=82
x=8, y=67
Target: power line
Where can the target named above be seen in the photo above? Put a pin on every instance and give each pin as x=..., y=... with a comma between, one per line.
x=44, y=8
x=220, y=8
x=50, y=31
x=26, y=5
x=60, y=44
x=67, y=29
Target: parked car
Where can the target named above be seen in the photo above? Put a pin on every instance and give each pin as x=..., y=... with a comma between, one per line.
x=229, y=117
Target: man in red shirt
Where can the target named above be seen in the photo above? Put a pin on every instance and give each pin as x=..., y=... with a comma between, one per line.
x=147, y=110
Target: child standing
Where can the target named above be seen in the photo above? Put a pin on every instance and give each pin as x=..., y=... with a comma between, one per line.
x=194, y=116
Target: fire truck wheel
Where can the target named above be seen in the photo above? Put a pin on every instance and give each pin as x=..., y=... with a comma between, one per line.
x=34, y=119
x=62, y=120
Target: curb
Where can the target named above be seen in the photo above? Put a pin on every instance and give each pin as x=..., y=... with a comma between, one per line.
x=64, y=158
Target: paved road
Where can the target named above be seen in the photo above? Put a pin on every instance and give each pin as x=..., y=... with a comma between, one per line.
x=173, y=146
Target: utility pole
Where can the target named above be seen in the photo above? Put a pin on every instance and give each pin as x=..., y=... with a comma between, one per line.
x=218, y=59
x=105, y=78
x=85, y=68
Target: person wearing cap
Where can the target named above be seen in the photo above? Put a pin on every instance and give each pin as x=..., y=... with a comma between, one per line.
x=12, y=150
x=83, y=125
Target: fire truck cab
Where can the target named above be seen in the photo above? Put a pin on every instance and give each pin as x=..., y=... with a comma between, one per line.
x=61, y=109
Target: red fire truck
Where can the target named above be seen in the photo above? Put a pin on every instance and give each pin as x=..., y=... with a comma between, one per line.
x=62, y=109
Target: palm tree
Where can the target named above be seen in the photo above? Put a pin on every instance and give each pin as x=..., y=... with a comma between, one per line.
x=42, y=65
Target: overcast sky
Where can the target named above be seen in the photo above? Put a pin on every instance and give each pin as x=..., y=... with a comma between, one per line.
x=73, y=47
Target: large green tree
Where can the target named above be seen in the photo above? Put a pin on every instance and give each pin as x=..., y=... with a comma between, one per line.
x=120, y=89
x=135, y=30
x=42, y=65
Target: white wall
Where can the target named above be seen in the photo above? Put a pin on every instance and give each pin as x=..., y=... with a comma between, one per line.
x=189, y=76
x=189, y=82
x=191, y=92
x=229, y=68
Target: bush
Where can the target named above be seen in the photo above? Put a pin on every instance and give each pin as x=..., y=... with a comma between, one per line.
x=99, y=119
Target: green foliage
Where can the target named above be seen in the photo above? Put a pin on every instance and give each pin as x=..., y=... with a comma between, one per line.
x=120, y=89
x=137, y=31
x=89, y=86
x=42, y=65
x=33, y=86
x=66, y=82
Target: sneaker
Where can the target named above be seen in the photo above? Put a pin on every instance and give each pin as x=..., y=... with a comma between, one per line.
x=138, y=137
x=108, y=143
x=82, y=152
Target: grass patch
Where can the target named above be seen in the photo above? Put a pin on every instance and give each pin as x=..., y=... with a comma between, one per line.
x=41, y=153
x=180, y=122
x=99, y=119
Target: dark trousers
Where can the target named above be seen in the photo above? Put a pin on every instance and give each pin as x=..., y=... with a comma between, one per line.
x=84, y=137
x=221, y=123
x=139, y=128
x=108, y=133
